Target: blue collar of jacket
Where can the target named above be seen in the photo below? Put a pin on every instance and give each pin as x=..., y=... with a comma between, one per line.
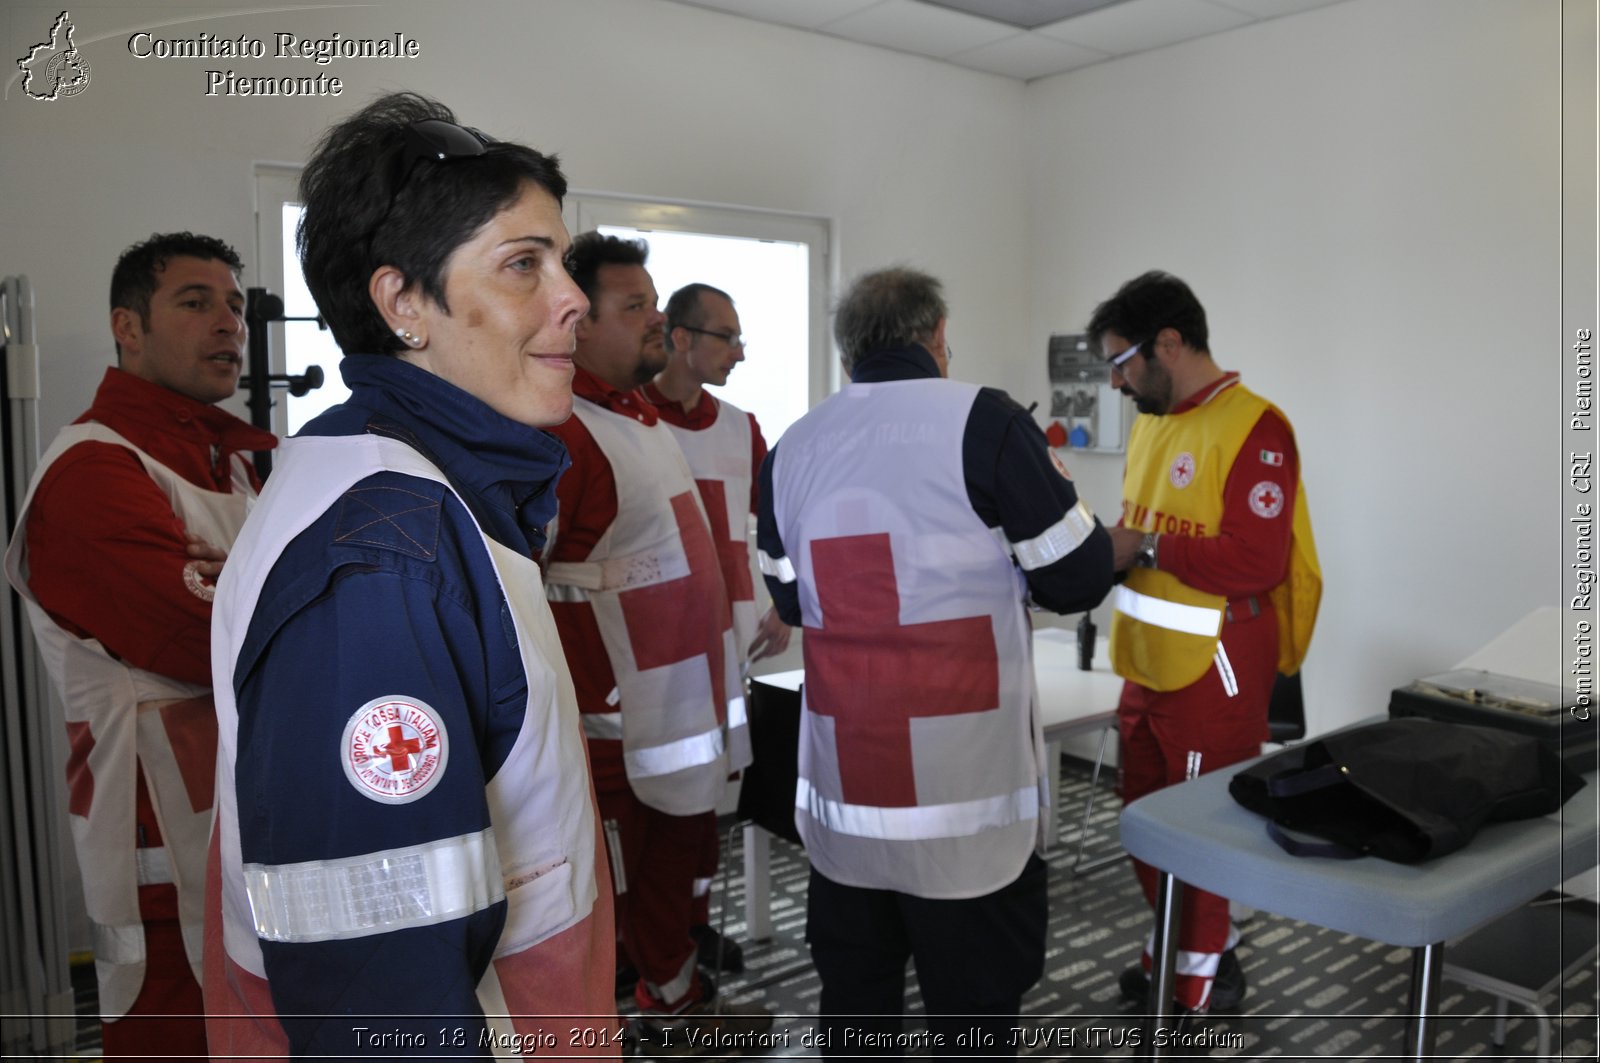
x=897, y=363
x=506, y=472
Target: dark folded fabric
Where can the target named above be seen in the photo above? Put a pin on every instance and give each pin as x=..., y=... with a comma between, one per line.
x=1406, y=789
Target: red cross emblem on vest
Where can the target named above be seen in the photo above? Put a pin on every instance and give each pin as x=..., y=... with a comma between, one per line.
x=874, y=675
x=680, y=619
x=733, y=551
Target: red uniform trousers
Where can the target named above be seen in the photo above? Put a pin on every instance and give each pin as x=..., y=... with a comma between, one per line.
x=1222, y=716
x=706, y=871
x=654, y=861
x=167, y=1019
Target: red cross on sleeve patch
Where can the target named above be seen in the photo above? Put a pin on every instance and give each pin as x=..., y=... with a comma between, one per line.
x=394, y=749
x=1266, y=499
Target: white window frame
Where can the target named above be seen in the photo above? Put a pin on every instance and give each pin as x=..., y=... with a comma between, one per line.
x=589, y=210
x=277, y=184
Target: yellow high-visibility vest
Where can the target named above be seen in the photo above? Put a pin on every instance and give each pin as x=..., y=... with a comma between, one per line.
x=1164, y=633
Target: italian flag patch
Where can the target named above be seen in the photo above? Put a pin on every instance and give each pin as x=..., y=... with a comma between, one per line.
x=1272, y=457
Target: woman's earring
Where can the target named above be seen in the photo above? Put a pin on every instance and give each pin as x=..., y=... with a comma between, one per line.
x=408, y=337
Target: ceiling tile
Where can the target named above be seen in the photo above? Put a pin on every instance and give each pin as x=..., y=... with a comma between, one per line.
x=807, y=14
x=1139, y=25
x=1028, y=56
x=1272, y=8
x=1024, y=14
x=908, y=26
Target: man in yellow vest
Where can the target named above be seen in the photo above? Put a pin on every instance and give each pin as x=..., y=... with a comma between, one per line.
x=1222, y=582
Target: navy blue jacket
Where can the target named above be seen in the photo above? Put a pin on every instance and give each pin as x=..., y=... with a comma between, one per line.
x=391, y=592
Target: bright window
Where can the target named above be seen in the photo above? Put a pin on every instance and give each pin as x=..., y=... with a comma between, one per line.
x=773, y=265
x=767, y=280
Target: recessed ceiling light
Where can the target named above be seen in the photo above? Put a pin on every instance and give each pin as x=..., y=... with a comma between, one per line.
x=1024, y=14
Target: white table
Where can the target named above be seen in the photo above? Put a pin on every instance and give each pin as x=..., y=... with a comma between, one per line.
x=1071, y=701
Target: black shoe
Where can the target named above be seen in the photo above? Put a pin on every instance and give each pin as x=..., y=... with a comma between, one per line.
x=708, y=939
x=1134, y=984
x=627, y=978
x=1227, y=988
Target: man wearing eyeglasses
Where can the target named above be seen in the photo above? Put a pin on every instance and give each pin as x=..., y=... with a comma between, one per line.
x=724, y=447
x=905, y=521
x=1222, y=583
x=636, y=587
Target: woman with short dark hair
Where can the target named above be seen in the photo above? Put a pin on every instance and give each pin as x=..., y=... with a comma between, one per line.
x=408, y=844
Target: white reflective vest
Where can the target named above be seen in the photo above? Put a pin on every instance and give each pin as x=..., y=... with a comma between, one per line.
x=655, y=585
x=922, y=764
x=719, y=457
x=128, y=719
x=539, y=853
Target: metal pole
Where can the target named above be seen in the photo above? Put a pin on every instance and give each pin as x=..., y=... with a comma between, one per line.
x=260, y=307
x=37, y=987
x=1163, y=957
x=1426, y=962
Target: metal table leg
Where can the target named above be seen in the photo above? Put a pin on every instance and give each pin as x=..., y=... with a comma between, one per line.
x=1163, y=959
x=757, y=883
x=1421, y=1022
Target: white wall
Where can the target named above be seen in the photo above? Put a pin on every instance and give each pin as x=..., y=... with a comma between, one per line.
x=911, y=159
x=1365, y=198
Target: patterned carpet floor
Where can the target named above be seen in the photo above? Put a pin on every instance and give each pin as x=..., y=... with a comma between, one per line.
x=1314, y=993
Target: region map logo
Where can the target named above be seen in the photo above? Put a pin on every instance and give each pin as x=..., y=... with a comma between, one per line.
x=55, y=68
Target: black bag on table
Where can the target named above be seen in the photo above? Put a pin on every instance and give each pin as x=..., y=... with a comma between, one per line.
x=1406, y=789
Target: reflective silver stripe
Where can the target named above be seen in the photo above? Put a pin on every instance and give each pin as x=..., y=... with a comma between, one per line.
x=1230, y=683
x=1056, y=541
x=669, y=993
x=1190, y=619
x=737, y=716
x=958, y=819
x=375, y=893
x=1198, y=964
x=565, y=592
x=702, y=887
x=120, y=945
x=601, y=724
x=779, y=568
x=669, y=757
x=155, y=867
x=619, y=873
x=1195, y=964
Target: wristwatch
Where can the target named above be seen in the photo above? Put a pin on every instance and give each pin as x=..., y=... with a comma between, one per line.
x=1145, y=556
